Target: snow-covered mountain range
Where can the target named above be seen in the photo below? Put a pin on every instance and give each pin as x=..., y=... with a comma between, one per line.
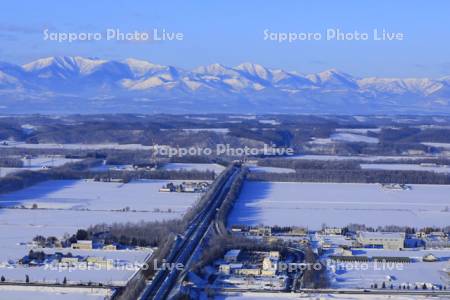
x=85, y=85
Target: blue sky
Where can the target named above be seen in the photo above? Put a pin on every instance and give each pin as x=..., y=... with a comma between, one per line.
x=231, y=32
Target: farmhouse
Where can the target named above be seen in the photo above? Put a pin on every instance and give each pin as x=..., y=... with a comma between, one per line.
x=110, y=247
x=82, y=244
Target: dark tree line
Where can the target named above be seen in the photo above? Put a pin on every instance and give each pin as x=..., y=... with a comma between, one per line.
x=409, y=134
x=127, y=176
x=24, y=179
x=311, y=164
x=349, y=164
x=145, y=234
x=355, y=176
x=10, y=162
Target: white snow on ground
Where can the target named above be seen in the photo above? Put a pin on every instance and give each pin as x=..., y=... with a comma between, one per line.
x=309, y=296
x=6, y=171
x=28, y=128
x=67, y=205
x=338, y=204
x=438, y=145
x=193, y=166
x=362, y=275
x=104, y=168
x=88, y=194
x=243, y=117
x=321, y=141
x=355, y=157
x=269, y=122
x=46, y=293
x=19, y=226
x=259, y=169
x=216, y=130
x=418, y=254
x=351, y=137
x=47, y=161
x=358, y=130
x=406, y=167
x=12, y=144
x=38, y=163
x=345, y=137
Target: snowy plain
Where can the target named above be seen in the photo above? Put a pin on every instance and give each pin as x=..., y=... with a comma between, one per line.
x=68, y=205
x=216, y=130
x=438, y=145
x=216, y=168
x=406, y=167
x=46, y=293
x=260, y=169
x=363, y=275
x=14, y=144
x=38, y=163
x=338, y=204
x=140, y=195
x=346, y=137
x=310, y=296
x=356, y=157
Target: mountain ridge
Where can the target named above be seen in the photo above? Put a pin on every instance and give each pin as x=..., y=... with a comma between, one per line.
x=135, y=85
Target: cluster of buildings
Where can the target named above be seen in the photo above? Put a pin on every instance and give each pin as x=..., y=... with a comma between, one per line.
x=88, y=245
x=247, y=269
x=252, y=263
x=268, y=231
x=65, y=260
x=52, y=242
x=98, y=241
x=357, y=239
x=396, y=186
x=433, y=240
x=186, y=187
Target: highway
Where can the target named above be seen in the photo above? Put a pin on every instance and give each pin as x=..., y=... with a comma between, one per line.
x=184, y=246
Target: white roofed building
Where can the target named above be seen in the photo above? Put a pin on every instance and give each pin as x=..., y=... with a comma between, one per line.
x=385, y=240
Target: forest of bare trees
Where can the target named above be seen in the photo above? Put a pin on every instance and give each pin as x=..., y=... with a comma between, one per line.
x=354, y=176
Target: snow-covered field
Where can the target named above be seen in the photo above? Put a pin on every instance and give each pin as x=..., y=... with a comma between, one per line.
x=346, y=137
x=363, y=275
x=309, y=296
x=438, y=145
x=355, y=157
x=216, y=130
x=259, y=169
x=67, y=205
x=338, y=204
x=364, y=131
x=6, y=171
x=352, y=137
x=47, y=161
x=406, y=167
x=13, y=144
x=19, y=226
x=269, y=122
x=104, y=168
x=47, y=293
x=141, y=195
x=38, y=163
x=193, y=166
